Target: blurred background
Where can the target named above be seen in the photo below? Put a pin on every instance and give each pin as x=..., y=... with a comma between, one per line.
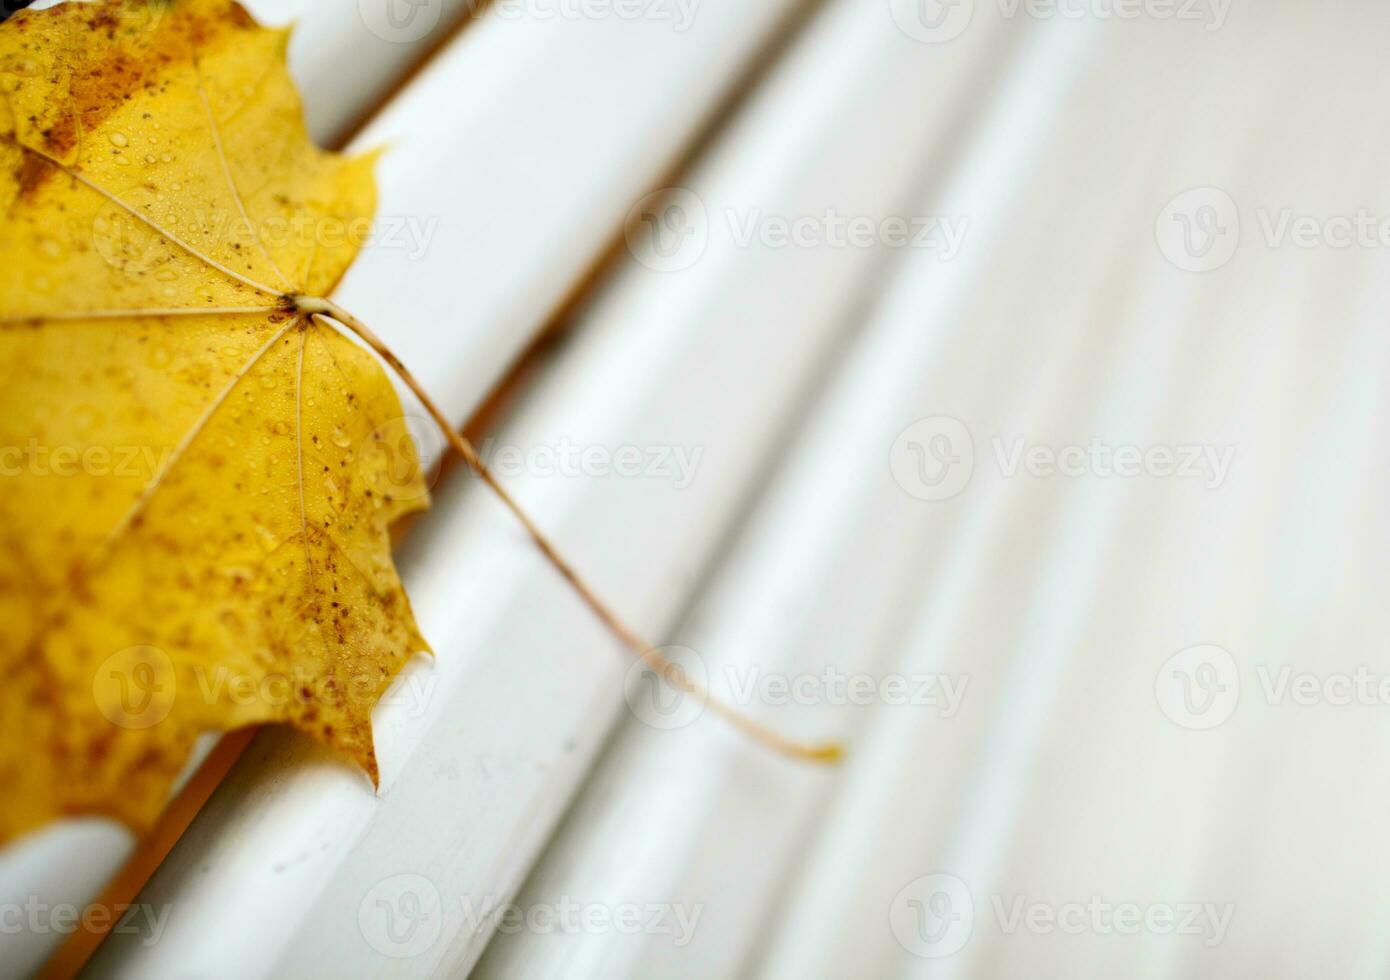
x=999, y=386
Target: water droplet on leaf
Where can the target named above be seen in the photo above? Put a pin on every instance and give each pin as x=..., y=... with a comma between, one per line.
x=269, y=539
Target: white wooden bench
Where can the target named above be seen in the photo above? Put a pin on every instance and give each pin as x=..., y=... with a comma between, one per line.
x=523, y=765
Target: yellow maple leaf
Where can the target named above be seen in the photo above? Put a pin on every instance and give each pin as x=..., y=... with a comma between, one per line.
x=197, y=479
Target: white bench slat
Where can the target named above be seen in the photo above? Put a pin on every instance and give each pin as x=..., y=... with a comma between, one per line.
x=1063, y=780
x=293, y=848
x=523, y=146
x=347, y=55
x=525, y=189
x=692, y=818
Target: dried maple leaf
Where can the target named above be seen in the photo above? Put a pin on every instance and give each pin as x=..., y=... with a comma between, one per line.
x=198, y=479
x=199, y=471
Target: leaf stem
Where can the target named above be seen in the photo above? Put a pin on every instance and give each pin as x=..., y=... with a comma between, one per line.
x=822, y=753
